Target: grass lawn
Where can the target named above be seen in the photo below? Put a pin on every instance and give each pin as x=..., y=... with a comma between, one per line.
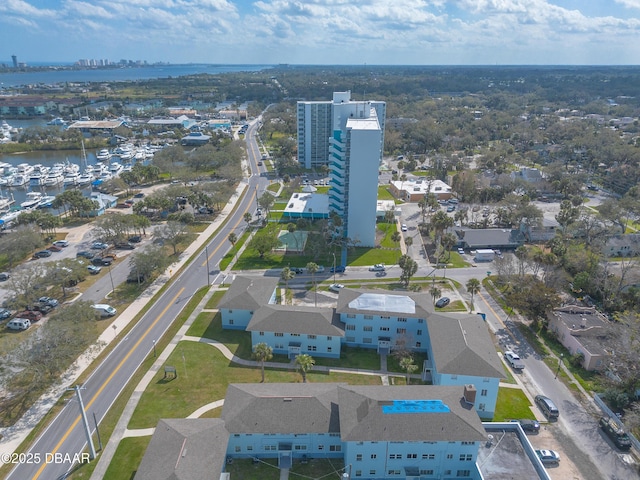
x=215, y=298
x=512, y=403
x=361, y=256
x=274, y=187
x=384, y=193
x=267, y=469
x=361, y=358
x=230, y=255
x=129, y=454
x=393, y=365
x=203, y=377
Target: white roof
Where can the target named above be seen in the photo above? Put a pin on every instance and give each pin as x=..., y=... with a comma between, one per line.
x=384, y=303
x=317, y=203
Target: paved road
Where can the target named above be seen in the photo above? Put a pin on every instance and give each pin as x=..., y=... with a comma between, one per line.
x=65, y=434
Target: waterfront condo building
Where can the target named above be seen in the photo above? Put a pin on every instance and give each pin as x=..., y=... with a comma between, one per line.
x=348, y=136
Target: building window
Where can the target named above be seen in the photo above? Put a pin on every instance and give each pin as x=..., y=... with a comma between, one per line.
x=402, y=319
x=401, y=331
x=421, y=320
x=426, y=472
x=350, y=327
x=320, y=447
x=368, y=328
x=351, y=339
x=328, y=349
x=463, y=473
x=374, y=456
x=412, y=455
x=483, y=393
x=359, y=457
x=311, y=337
x=395, y=456
x=335, y=448
x=418, y=344
x=249, y=448
x=358, y=473
x=393, y=472
x=454, y=377
x=368, y=317
x=300, y=447
x=238, y=448
x=295, y=334
x=329, y=339
x=311, y=348
x=261, y=334
x=231, y=321
x=449, y=456
x=465, y=458
x=384, y=329
x=279, y=345
x=350, y=315
x=278, y=334
x=419, y=332
x=372, y=472
x=428, y=456
x=481, y=407
x=366, y=340
x=230, y=311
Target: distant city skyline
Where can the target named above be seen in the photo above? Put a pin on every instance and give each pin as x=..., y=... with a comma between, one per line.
x=401, y=32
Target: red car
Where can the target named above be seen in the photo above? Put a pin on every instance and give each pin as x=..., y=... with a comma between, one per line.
x=32, y=315
x=54, y=248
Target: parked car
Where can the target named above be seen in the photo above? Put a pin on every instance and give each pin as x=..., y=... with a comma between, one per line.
x=19, y=324
x=451, y=208
x=404, y=227
x=99, y=246
x=460, y=251
x=61, y=243
x=42, y=308
x=31, y=315
x=617, y=434
x=93, y=270
x=129, y=202
x=135, y=239
x=54, y=248
x=85, y=254
x=4, y=276
x=338, y=269
x=320, y=269
x=4, y=313
x=104, y=310
x=529, y=426
x=48, y=301
x=378, y=267
x=101, y=262
x=139, y=195
x=125, y=246
x=297, y=270
x=514, y=360
x=548, y=456
x=548, y=407
x=336, y=287
x=42, y=254
x=443, y=302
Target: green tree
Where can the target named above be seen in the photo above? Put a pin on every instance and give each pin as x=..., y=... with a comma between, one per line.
x=233, y=239
x=247, y=217
x=473, y=287
x=263, y=243
x=409, y=268
x=285, y=275
x=406, y=363
x=262, y=353
x=435, y=292
x=304, y=363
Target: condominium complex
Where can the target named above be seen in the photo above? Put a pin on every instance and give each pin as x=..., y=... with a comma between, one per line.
x=348, y=136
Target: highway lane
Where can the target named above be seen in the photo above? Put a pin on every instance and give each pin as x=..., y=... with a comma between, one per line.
x=65, y=435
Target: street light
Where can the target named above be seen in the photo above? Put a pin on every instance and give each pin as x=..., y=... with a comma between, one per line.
x=559, y=365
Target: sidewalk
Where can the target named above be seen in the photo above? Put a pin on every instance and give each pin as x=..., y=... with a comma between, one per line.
x=13, y=436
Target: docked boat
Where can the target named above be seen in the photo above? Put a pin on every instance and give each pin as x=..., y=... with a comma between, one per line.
x=71, y=178
x=32, y=201
x=46, y=201
x=25, y=169
x=4, y=168
x=115, y=169
x=54, y=177
x=57, y=121
x=103, y=155
x=71, y=168
x=7, y=180
x=6, y=202
x=85, y=178
x=38, y=175
x=105, y=176
x=19, y=180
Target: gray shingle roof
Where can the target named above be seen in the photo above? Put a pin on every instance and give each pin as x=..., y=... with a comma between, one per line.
x=423, y=304
x=248, y=293
x=461, y=345
x=298, y=319
x=185, y=449
x=362, y=417
x=281, y=408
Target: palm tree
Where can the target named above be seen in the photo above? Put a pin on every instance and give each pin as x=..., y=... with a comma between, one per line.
x=406, y=363
x=312, y=268
x=262, y=353
x=247, y=217
x=304, y=363
x=473, y=287
x=233, y=238
x=435, y=292
x=286, y=275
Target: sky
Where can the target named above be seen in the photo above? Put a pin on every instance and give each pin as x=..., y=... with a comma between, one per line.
x=330, y=32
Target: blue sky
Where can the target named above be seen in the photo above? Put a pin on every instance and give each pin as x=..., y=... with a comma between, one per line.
x=415, y=32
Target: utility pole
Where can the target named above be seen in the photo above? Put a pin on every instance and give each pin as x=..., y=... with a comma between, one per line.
x=85, y=423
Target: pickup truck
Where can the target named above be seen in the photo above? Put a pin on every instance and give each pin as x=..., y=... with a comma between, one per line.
x=513, y=360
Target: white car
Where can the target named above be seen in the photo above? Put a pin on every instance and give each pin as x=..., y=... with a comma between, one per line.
x=61, y=243
x=335, y=287
x=378, y=267
x=404, y=227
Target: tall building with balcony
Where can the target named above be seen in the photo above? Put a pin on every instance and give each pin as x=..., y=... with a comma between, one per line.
x=348, y=136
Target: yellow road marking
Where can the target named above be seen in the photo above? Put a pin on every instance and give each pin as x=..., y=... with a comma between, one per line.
x=93, y=399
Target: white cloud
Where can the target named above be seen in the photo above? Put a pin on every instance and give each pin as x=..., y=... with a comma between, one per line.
x=629, y=3
x=22, y=8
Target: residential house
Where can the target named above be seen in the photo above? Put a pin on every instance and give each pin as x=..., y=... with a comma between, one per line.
x=582, y=330
x=415, y=189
